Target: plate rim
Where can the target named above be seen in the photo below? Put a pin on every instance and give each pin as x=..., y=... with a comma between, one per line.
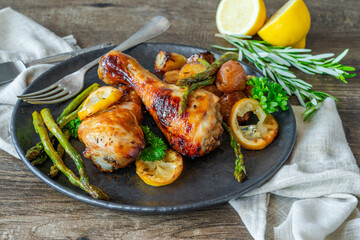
x=134, y=208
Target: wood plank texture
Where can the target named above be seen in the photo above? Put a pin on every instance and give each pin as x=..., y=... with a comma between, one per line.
x=32, y=210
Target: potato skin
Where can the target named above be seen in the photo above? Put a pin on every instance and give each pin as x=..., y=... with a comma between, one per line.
x=171, y=76
x=227, y=101
x=248, y=88
x=231, y=77
x=213, y=89
x=190, y=69
x=208, y=56
x=166, y=61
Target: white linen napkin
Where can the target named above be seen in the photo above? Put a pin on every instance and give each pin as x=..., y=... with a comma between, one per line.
x=311, y=197
x=23, y=39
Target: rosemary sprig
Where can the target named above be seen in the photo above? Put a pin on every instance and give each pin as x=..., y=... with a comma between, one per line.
x=275, y=62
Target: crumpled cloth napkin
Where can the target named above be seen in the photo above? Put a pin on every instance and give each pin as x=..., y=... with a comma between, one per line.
x=23, y=39
x=314, y=195
x=311, y=197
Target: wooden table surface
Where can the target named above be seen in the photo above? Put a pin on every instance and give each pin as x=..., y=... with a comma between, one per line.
x=32, y=210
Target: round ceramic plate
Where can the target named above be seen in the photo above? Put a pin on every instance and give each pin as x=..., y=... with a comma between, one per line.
x=205, y=181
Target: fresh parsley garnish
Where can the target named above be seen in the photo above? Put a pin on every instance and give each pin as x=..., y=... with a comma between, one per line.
x=155, y=146
x=270, y=94
x=73, y=126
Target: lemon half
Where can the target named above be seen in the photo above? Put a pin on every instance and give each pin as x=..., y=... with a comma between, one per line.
x=244, y=17
x=99, y=100
x=288, y=26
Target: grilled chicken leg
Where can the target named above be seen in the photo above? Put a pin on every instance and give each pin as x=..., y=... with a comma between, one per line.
x=195, y=132
x=113, y=138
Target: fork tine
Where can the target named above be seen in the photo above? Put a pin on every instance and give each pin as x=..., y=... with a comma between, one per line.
x=45, y=90
x=64, y=98
x=53, y=97
x=48, y=94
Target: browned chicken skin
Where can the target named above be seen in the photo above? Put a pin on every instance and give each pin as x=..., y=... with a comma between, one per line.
x=195, y=132
x=113, y=138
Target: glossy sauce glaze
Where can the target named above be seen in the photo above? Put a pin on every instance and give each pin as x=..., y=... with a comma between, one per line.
x=195, y=132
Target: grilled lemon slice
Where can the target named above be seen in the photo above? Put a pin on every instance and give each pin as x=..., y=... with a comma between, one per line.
x=99, y=100
x=160, y=172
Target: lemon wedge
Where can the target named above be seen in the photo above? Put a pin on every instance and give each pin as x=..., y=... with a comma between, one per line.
x=160, y=173
x=244, y=17
x=99, y=100
x=288, y=26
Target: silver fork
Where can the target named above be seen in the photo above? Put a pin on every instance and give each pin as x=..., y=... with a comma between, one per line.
x=70, y=85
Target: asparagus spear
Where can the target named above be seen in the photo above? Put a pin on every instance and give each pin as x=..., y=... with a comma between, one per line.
x=78, y=100
x=54, y=171
x=56, y=131
x=211, y=71
x=204, y=62
x=61, y=152
x=59, y=149
x=35, y=151
x=240, y=172
x=40, y=159
x=68, y=118
x=192, y=87
x=94, y=191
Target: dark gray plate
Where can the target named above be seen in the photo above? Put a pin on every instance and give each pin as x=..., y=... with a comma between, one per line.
x=204, y=181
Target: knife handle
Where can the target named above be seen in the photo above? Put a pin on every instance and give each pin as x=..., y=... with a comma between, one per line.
x=67, y=55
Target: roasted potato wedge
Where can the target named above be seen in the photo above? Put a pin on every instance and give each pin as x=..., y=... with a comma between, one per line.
x=213, y=89
x=190, y=69
x=227, y=101
x=165, y=61
x=208, y=56
x=171, y=76
x=231, y=77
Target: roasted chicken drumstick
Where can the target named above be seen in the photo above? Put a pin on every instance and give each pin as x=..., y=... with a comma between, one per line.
x=114, y=138
x=195, y=132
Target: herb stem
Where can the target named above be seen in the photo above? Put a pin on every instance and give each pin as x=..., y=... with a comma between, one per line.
x=275, y=63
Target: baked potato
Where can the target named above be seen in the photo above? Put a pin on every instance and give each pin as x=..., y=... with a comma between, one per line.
x=208, y=56
x=171, y=76
x=231, y=77
x=227, y=101
x=213, y=89
x=165, y=61
x=190, y=69
x=248, y=88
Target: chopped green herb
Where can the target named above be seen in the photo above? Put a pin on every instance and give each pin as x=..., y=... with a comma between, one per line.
x=270, y=94
x=73, y=126
x=155, y=146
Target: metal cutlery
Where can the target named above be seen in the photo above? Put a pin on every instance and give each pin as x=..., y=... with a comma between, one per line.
x=70, y=85
x=10, y=70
